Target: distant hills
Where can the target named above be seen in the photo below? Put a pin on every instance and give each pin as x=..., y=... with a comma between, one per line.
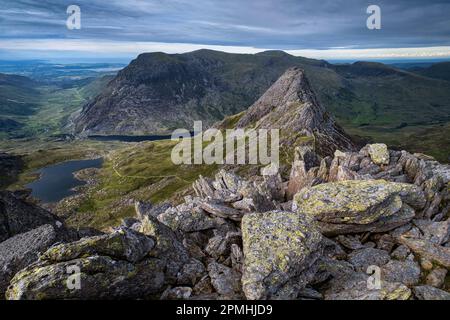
x=159, y=92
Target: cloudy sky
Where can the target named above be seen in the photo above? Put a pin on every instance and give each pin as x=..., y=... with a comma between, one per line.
x=328, y=29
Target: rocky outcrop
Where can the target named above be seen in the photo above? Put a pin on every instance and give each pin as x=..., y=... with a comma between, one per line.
x=280, y=250
x=23, y=249
x=291, y=106
x=18, y=216
x=356, y=206
x=355, y=229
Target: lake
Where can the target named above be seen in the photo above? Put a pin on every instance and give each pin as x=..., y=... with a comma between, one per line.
x=57, y=181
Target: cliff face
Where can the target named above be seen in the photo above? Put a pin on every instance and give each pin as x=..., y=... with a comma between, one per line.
x=157, y=93
x=291, y=106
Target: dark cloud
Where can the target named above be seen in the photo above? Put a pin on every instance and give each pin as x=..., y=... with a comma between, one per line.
x=283, y=24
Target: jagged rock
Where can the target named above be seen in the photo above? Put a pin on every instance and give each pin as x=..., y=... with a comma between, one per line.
x=430, y=293
x=222, y=211
x=428, y=250
x=191, y=273
x=237, y=258
x=245, y=204
x=406, y=272
x=203, y=187
x=227, y=180
x=219, y=246
x=168, y=247
x=291, y=106
x=379, y=153
x=226, y=281
x=23, y=249
x=18, y=216
x=178, y=293
x=280, y=249
x=363, y=258
x=301, y=174
x=357, y=206
x=350, y=242
x=203, y=286
x=401, y=253
x=435, y=232
x=309, y=294
x=354, y=286
x=436, y=277
x=272, y=187
x=386, y=242
x=226, y=196
x=333, y=250
x=123, y=244
x=147, y=209
x=100, y=278
x=186, y=218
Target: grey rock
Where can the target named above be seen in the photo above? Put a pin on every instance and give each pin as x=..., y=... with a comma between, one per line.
x=124, y=244
x=436, y=277
x=428, y=250
x=101, y=277
x=401, y=253
x=406, y=272
x=191, y=273
x=430, y=293
x=18, y=216
x=280, y=249
x=23, y=249
x=187, y=218
x=363, y=258
x=222, y=211
x=169, y=248
x=177, y=293
x=226, y=281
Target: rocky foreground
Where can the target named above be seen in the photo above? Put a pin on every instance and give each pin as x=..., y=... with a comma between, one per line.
x=326, y=233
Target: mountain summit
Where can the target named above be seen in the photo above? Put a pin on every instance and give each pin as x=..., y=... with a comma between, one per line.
x=291, y=106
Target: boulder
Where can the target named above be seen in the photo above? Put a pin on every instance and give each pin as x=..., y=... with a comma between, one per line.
x=169, y=247
x=18, y=216
x=23, y=249
x=225, y=280
x=359, y=205
x=124, y=244
x=100, y=277
x=280, y=250
x=430, y=293
x=379, y=153
x=428, y=250
x=187, y=218
x=363, y=258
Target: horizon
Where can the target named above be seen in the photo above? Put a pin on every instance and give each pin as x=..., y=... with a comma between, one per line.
x=120, y=30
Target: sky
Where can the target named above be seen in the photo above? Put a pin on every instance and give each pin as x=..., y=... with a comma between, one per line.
x=325, y=29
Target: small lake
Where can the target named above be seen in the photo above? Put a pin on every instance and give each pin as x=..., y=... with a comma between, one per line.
x=57, y=181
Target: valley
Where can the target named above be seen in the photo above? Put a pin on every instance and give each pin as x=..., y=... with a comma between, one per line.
x=372, y=102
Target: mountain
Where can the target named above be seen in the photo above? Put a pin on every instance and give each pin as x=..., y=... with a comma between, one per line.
x=437, y=71
x=18, y=95
x=291, y=106
x=159, y=92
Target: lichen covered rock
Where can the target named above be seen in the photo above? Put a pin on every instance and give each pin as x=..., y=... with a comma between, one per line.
x=280, y=249
x=355, y=205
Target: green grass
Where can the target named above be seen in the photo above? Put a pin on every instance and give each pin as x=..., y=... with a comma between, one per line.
x=143, y=172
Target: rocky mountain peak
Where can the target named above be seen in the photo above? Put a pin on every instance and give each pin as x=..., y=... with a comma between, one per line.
x=291, y=105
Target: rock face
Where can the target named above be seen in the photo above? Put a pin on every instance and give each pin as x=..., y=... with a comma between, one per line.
x=110, y=266
x=17, y=216
x=291, y=106
x=20, y=251
x=354, y=230
x=359, y=205
x=280, y=250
